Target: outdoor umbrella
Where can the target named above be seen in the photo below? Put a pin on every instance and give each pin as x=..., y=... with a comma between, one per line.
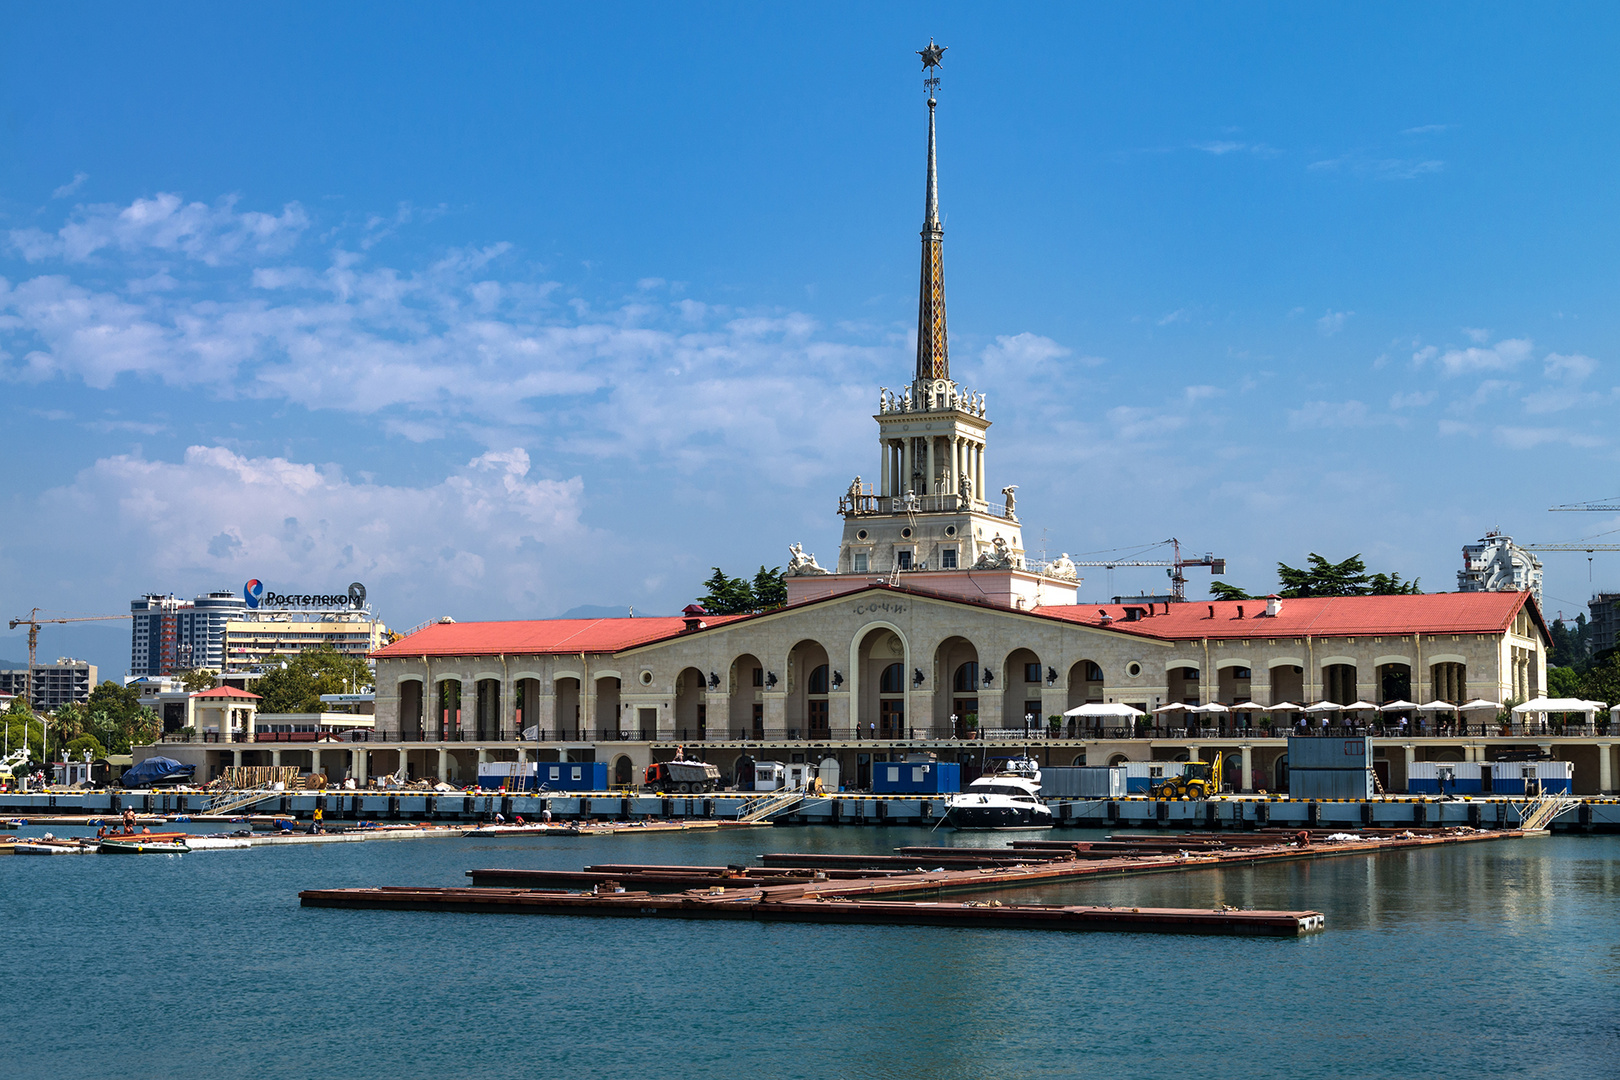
x=1398, y=706
x=1174, y=706
x=1361, y=706
x=1546, y=705
x=1212, y=707
x=1250, y=706
x=1283, y=706
x=1479, y=704
x=1324, y=707
x=1437, y=706
x=1098, y=708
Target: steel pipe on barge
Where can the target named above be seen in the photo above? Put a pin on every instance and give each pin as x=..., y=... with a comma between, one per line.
x=750, y=905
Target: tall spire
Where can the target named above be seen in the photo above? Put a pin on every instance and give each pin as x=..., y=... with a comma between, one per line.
x=933, y=351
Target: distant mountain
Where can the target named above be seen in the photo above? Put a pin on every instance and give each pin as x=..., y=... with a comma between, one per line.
x=13, y=665
x=600, y=611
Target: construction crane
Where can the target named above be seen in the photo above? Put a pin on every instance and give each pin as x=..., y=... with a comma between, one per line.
x=34, y=622
x=1601, y=505
x=1577, y=546
x=1178, y=580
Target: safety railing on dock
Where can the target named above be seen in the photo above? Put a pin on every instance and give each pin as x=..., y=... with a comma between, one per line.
x=230, y=802
x=774, y=803
x=1537, y=814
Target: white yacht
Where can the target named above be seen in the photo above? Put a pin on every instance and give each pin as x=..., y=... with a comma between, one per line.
x=1008, y=798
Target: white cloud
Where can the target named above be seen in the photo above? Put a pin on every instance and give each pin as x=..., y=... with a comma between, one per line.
x=1412, y=400
x=1528, y=438
x=1478, y=335
x=1332, y=322
x=1570, y=369
x=209, y=234
x=490, y=526
x=1426, y=129
x=1333, y=414
x=1503, y=356
x=71, y=187
x=1178, y=315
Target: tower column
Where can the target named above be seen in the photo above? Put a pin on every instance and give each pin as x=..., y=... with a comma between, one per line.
x=928, y=465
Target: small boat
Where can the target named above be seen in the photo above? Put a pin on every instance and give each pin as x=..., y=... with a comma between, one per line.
x=1009, y=798
x=52, y=846
x=514, y=830
x=141, y=845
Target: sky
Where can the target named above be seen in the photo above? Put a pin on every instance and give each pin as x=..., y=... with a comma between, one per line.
x=508, y=309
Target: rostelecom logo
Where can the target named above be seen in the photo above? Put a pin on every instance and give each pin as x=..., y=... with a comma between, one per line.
x=252, y=591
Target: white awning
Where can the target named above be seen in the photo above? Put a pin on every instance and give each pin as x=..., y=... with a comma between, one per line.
x=1437, y=706
x=1324, y=706
x=1098, y=708
x=1212, y=707
x=1398, y=705
x=1479, y=704
x=1283, y=706
x=1250, y=706
x=1174, y=706
x=1360, y=706
x=1556, y=704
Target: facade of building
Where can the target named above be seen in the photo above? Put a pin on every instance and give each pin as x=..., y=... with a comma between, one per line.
x=169, y=634
x=932, y=632
x=1605, y=621
x=253, y=642
x=1497, y=564
x=66, y=681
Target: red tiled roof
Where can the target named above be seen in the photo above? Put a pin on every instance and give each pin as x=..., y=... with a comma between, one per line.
x=540, y=636
x=1322, y=616
x=1317, y=616
x=227, y=692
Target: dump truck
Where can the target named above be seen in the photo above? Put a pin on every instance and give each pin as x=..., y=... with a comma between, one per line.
x=1198, y=780
x=682, y=776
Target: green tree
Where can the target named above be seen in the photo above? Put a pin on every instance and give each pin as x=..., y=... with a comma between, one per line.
x=770, y=589
x=1564, y=682
x=1602, y=681
x=1347, y=578
x=1220, y=590
x=297, y=685
x=727, y=595
x=197, y=679
x=74, y=750
x=69, y=722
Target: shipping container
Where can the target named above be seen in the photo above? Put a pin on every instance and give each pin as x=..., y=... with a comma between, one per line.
x=1552, y=777
x=916, y=777
x=511, y=775
x=572, y=776
x=1142, y=775
x=1321, y=752
x=1330, y=783
x=1460, y=778
x=1083, y=782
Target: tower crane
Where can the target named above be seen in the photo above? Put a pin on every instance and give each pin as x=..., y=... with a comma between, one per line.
x=34, y=622
x=1603, y=505
x=1577, y=546
x=1178, y=580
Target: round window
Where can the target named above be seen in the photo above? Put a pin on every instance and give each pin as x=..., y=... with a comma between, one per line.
x=861, y=535
x=905, y=534
x=1133, y=669
x=950, y=530
x=646, y=678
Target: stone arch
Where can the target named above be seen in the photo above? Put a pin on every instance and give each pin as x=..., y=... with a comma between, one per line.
x=486, y=707
x=1086, y=680
x=956, y=684
x=808, y=714
x=606, y=712
x=1392, y=676
x=691, y=705
x=1287, y=679
x=1018, y=693
x=1339, y=682
x=1183, y=682
x=447, y=706
x=1448, y=678
x=1232, y=682
x=746, y=709
x=1117, y=759
x=570, y=704
x=526, y=708
x=410, y=692
x=874, y=648
x=624, y=771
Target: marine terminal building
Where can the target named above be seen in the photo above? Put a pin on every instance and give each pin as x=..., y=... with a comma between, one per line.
x=933, y=631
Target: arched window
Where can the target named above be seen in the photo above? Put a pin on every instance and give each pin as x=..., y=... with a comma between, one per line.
x=818, y=680
x=966, y=680
x=893, y=680
x=1093, y=672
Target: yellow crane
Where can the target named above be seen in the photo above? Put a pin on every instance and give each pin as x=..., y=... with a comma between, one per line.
x=34, y=622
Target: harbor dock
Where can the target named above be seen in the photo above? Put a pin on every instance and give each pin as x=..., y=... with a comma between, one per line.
x=908, y=887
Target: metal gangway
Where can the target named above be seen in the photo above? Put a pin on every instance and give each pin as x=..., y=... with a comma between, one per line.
x=1535, y=815
x=230, y=802
x=775, y=802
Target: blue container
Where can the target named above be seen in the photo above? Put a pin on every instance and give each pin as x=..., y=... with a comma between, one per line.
x=916, y=777
x=572, y=776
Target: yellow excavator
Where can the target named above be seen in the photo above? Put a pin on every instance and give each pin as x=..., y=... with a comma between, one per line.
x=1198, y=780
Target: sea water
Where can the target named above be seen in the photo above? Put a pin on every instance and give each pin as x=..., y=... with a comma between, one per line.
x=1493, y=959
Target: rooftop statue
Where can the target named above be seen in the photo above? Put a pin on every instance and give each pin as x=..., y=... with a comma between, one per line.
x=1012, y=501
x=802, y=564
x=1062, y=567
x=998, y=559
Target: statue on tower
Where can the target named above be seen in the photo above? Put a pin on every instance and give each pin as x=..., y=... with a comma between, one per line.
x=1012, y=501
x=802, y=564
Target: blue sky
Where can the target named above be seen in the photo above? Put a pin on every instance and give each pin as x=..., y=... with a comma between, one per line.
x=504, y=310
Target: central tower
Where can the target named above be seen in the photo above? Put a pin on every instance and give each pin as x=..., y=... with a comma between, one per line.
x=929, y=515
